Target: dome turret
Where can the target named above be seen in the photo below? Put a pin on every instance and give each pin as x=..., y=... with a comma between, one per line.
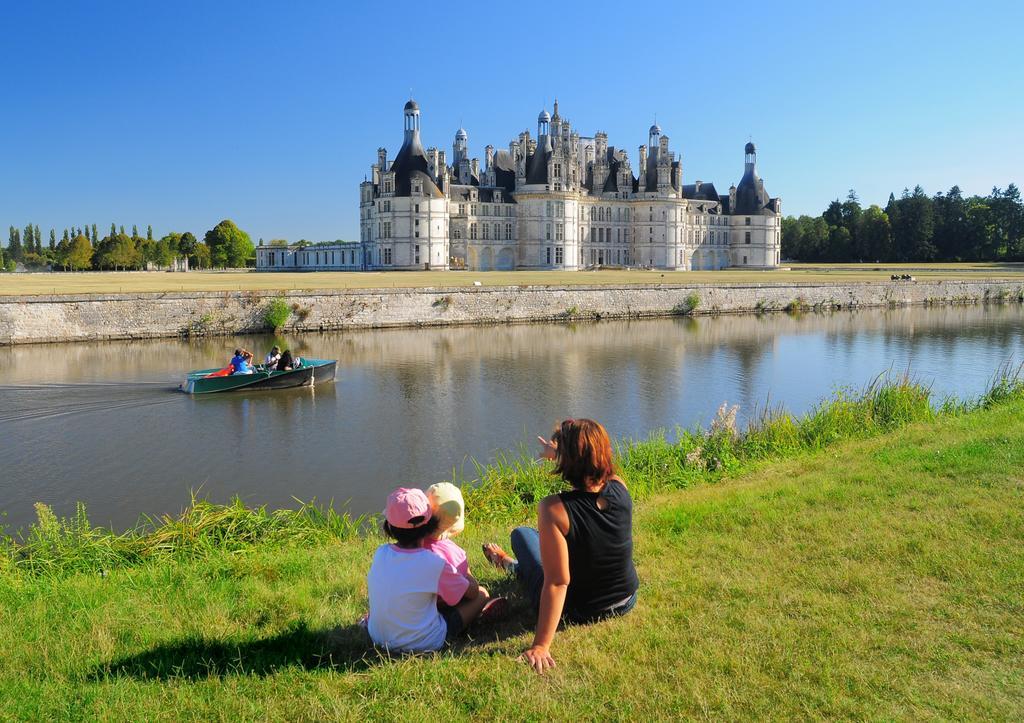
x=461, y=135
x=412, y=105
x=544, y=117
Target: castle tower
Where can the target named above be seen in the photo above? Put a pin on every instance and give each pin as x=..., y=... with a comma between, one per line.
x=460, y=148
x=412, y=121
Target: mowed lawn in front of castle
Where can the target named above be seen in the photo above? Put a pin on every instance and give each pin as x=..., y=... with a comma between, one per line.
x=108, y=282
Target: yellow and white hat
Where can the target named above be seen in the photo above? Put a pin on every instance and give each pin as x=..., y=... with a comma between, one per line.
x=449, y=507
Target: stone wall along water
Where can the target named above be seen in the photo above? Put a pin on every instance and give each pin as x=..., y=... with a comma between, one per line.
x=27, y=319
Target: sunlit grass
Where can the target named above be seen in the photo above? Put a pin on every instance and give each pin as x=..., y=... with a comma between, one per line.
x=141, y=282
x=872, y=578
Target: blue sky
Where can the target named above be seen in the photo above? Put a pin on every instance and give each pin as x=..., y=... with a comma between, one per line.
x=181, y=114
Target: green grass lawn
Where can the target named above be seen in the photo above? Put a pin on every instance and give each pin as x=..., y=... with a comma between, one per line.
x=880, y=578
x=140, y=281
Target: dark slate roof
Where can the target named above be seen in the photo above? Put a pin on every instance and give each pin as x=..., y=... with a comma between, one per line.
x=651, y=172
x=537, y=164
x=749, y=200
x=505, y=171
x=707, y=192
x=411, y=162
x=412, y=105
x=724, y=200
x=611, y=184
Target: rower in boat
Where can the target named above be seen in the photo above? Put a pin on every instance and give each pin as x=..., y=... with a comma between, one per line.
x=241, y=362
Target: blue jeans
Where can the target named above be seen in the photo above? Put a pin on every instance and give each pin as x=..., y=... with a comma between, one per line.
x=530, y=574
x=528, y=570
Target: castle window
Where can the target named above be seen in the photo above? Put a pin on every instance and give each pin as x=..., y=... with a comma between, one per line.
x=508, y=232
x=559, y=232
x=627, y=214
x=547, y=232
x=485, y=210
x=747, y=221
x=417, y=210
x=548, y=255
x=608, y=235
x=387, y=229
x=472, y=231
x=417, y=259
x=625, y=236
x=458, y=233
x=462, y=209
x=592, y=212
x=744, y=259
x=558, y=170
x=472, y=209
x=547, y=208
x=387, y=256
x=600, y=235
x=600, y=214
x=497, y=231
x=559, y=251
x=746, y=238
x=486, y=230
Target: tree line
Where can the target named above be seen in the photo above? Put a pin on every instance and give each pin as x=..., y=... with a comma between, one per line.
x=82, y=249
x=914, y=227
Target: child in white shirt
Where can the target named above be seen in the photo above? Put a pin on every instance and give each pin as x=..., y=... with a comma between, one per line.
x=406, y=581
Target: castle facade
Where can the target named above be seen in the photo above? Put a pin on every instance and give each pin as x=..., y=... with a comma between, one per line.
x=557, y=201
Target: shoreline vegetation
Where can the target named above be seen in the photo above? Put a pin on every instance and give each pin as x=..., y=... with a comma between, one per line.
x=863, y=560
x=507, y=490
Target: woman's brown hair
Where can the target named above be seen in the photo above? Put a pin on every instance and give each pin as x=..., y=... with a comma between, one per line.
x=583, y=452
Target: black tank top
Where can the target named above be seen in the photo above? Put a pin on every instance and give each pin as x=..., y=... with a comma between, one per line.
x=601, y=571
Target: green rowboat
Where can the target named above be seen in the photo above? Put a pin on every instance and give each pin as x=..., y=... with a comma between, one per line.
x=312, y=371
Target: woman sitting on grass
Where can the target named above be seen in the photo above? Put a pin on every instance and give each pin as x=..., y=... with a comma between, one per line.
x=579, y=564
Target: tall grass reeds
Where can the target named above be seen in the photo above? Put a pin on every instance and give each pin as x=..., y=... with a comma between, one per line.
x=507, y=489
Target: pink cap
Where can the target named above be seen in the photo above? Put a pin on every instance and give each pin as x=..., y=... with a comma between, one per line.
x=405, y=505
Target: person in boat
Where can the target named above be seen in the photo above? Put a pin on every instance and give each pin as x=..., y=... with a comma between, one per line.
x=286, y=363
x=579, y=565
x=241, y=362
x=272, y=358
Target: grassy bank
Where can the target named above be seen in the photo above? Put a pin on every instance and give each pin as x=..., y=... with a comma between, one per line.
x=154, y=282
x=866, y=560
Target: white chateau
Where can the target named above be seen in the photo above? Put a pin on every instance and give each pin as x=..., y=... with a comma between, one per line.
x=560, y=201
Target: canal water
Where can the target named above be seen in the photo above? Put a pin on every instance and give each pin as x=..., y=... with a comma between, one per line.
x=102, y=423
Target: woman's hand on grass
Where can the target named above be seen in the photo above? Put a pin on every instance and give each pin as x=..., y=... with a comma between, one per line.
x=538, y=658
x=549, y=449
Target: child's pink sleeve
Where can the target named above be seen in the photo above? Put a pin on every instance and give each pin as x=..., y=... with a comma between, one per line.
x=451, y=586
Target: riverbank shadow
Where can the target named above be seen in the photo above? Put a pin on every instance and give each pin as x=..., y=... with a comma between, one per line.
x=345, y=648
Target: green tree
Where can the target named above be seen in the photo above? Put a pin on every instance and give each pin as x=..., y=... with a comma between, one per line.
x=229, y=245
x=201, y=257
x=149, y=233
x=167, y=249
x=875, y=236
x=14, y=250
x=53, y=239
x=29, y=240
x=79, y=253
x=95, y=235
x=913, y=227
